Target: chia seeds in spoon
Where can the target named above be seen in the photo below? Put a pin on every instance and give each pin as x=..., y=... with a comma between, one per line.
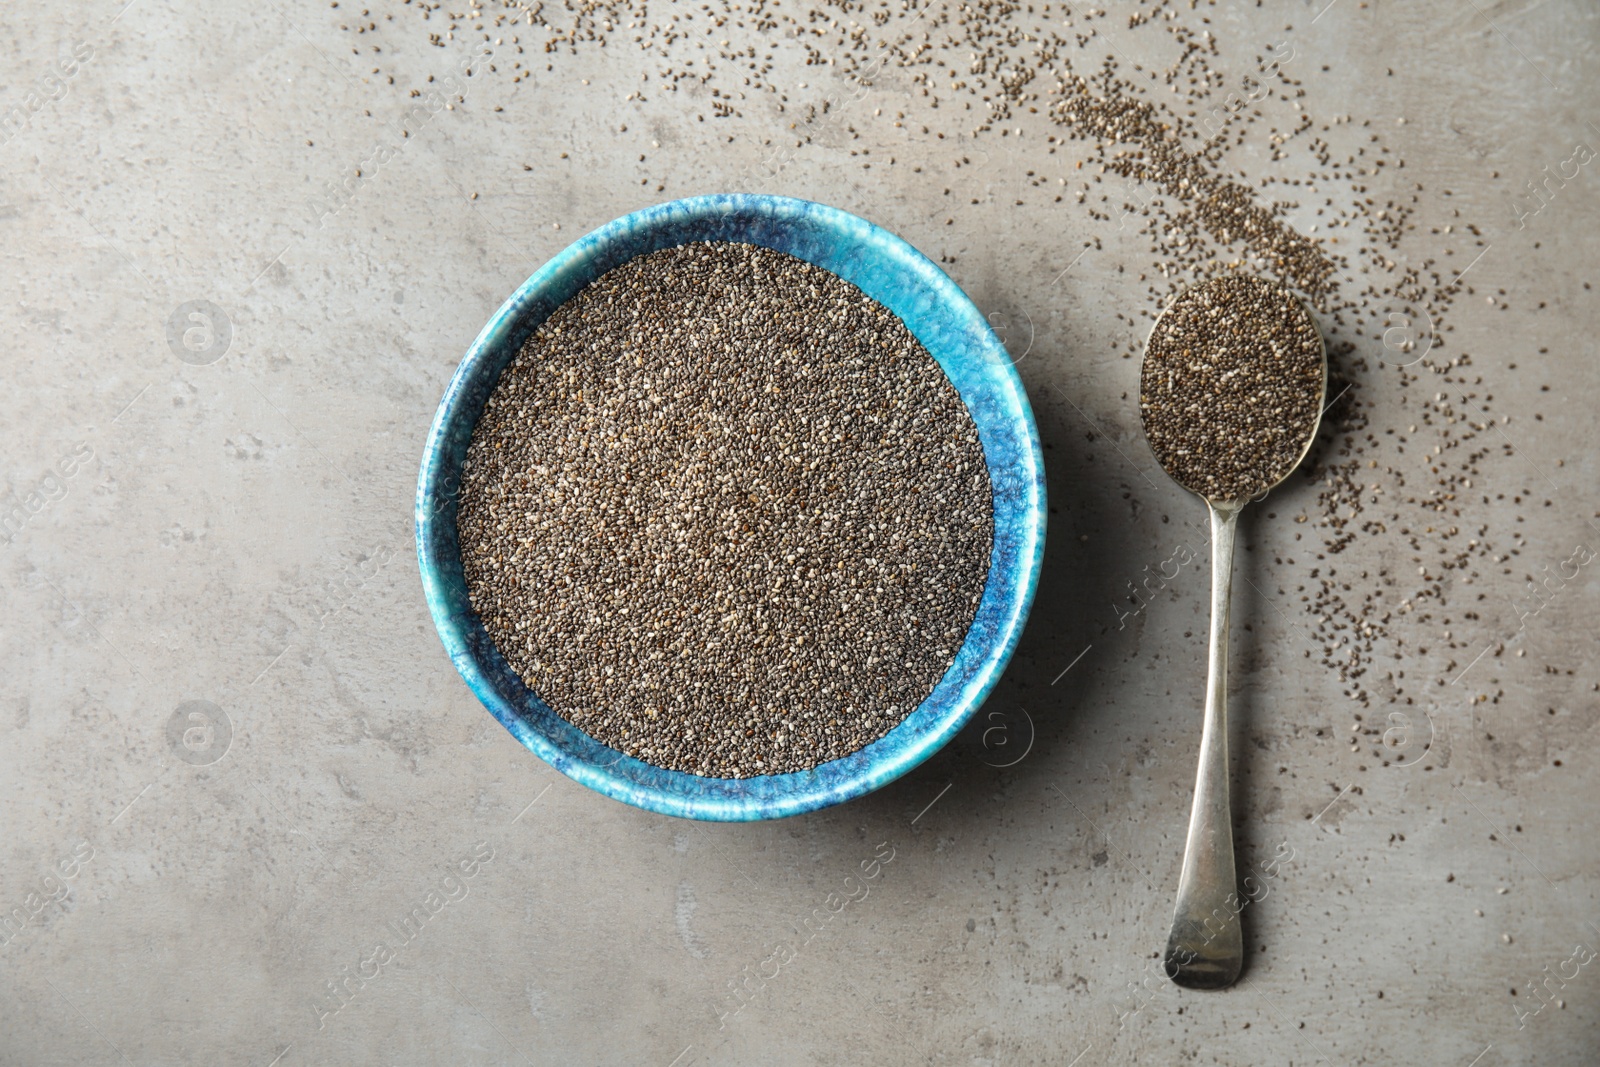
x=1231, y=388
x=724, y=513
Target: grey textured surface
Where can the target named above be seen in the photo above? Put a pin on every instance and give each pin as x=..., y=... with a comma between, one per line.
x=231, y=525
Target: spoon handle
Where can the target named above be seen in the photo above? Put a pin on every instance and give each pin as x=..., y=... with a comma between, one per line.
x=1206, y=948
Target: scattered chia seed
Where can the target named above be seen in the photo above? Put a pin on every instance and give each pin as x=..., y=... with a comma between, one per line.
x=724, y=513
x=1232, y=386
x=1189, y=145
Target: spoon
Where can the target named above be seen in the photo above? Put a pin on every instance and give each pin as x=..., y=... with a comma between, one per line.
x=1213, y=337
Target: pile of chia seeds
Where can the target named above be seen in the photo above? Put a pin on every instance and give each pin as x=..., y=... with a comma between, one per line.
x=1232, y=387
x=724, y=513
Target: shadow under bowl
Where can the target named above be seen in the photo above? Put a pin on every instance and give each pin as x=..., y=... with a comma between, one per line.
x=953, y=331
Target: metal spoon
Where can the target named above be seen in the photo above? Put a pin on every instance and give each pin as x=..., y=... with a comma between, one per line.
x=1205, y=949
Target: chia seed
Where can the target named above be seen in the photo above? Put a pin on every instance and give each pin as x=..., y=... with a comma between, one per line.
x=724, y=513
x=1231, y=387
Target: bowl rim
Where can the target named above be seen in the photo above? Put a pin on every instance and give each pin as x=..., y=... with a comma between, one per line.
x=759, y=797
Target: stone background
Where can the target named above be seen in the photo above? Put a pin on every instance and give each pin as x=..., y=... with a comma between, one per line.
x=221, y=514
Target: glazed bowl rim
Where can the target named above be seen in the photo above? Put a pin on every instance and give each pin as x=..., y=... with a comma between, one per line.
x=978, y=364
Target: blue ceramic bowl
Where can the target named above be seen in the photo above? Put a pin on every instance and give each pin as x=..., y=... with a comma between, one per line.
x=953, y=331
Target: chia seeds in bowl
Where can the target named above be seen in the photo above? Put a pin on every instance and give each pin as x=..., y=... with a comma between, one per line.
x=725, y=514
x=924, y=340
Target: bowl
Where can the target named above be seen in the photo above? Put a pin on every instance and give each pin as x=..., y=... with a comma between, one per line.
x=953, y=331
